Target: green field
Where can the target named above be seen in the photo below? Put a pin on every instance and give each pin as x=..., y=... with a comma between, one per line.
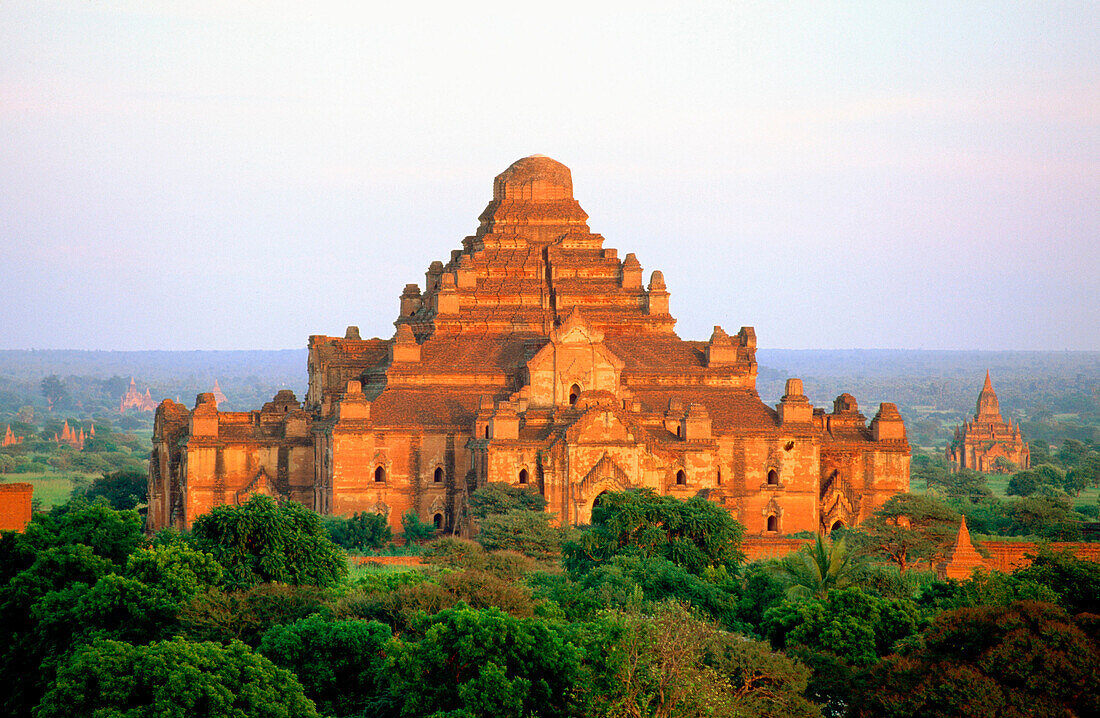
x=51, y=489
x=998, y=484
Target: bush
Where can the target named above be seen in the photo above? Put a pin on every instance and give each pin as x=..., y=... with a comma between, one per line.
x=527, y=532
x=358, y=532
x=497, y=498
x=173, y=678
x=413, y=529
x=122, y=489
x=339, y=663
x=262, y=541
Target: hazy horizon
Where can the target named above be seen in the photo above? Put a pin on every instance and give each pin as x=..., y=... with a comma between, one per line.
x=208, y=176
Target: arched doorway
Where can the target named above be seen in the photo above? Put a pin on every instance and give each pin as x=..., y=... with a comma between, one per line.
x=437, y=521
x=523, y=477
x=574, y=394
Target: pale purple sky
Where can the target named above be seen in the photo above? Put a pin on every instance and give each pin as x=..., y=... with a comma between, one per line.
x=241, y=175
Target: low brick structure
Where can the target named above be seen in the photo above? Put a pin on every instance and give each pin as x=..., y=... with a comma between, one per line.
x=15, y=506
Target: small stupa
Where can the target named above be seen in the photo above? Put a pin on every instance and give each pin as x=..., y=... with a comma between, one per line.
x=962, y=559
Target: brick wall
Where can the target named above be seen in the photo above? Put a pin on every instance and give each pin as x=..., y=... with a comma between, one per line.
x=15, y=506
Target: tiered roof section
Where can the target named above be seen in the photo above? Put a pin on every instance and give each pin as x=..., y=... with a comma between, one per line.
x=532, y=266
x=531, y=261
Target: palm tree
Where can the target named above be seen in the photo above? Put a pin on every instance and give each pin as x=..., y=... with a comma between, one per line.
x=817, y=567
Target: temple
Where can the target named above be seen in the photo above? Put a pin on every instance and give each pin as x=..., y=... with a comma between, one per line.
x=988, y=443
x=136, y=400
x=10, y=438
x=534, y=356
x=71, y=436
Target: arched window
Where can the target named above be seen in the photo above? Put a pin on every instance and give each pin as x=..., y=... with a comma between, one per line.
x=523, y=476
x=719, y=477
x=486, y=431
x=773, y=477
x=438, y=521
x=574, y=393
x=773, y=523
x=837, y=525
x=681, y=478
x=679, y=430
x=380, y=474
x=437, y=477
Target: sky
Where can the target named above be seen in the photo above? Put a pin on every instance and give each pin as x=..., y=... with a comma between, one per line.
x=213, y=175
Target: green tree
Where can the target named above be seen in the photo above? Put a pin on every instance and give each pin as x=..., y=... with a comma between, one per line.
x=987, y=516
x=413, y=530
x=472, y=663
x=633, y=580
x=340, y=664
x=1072, y=453
x=56, y=393
x=1075, y=481
x=23, y=650
x=527, y=532
x=910, y=528
x=991, y=588
x=114, y=535
x=671, y=663
x=1076, y=581
x=818, y=567
x=855, y=625
x=170, y=679
x=1024, y=483
x=1048, y=517
x=934, y=471
x=968, y=484
x=696, y=534
x=360, y=531
x=1090, y=468
x=263, y=541
x=499, y=498
x=226, y=616
x=122, y=489
x=1025, y=659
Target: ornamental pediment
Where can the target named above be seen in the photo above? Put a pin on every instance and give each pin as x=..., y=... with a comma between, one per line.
x=574, y=361
x=261, y=484
x=600, y=425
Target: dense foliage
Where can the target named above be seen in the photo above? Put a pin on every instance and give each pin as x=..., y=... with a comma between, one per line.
x=696, y=534
x=263, y=541
x=651, y=612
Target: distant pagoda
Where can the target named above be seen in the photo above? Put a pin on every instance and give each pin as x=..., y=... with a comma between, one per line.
x=10, y=438
x=136, y=400
x=978, y=444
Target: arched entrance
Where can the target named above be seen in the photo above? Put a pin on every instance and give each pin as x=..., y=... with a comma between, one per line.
x=583, y=508
x=574, y=394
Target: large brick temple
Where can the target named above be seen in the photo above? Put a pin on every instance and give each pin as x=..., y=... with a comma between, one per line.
x=537, y=357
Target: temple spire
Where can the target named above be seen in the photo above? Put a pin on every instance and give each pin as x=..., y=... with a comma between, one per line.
x=963, y=558
x=988, y=384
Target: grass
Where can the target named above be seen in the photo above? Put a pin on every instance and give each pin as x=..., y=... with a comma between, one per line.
x=49, y=488
x=363, y=570
x=998, y=484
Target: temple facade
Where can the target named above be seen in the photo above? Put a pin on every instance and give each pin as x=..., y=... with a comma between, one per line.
x=988, y=443
x=537, y=357
x=133, y=399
